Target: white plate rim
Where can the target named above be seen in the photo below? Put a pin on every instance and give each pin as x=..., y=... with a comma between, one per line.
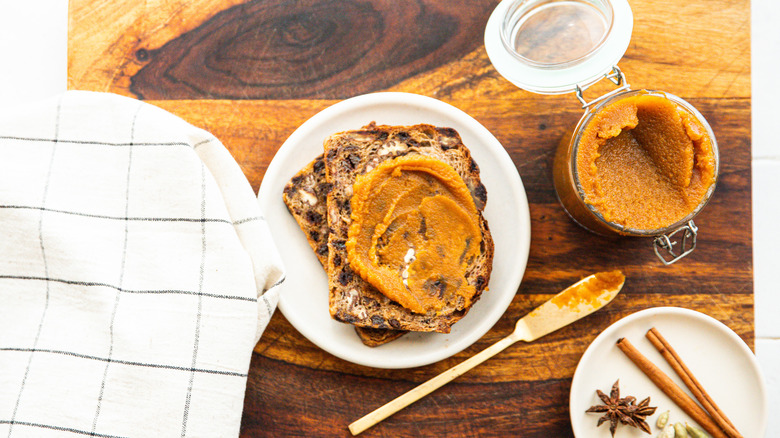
x=610, y=334
x=272, y=185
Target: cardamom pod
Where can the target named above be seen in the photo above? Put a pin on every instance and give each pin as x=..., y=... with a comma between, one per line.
x=668, y=432
x=695, y=432
x=662, y=419
x=680, y=431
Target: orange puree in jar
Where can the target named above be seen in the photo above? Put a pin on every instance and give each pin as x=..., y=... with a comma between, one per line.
x=414, y=230
x=645, y=163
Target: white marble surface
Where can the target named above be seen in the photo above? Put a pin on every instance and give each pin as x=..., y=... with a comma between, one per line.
x=33, y=65
x=765, y=60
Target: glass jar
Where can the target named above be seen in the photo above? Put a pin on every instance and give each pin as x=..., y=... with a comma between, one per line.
x=580, y=206
x=564, y=46
x=554, y=46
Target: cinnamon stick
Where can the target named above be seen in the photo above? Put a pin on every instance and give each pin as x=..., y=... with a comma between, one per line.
x=691, y=382
x=665, y=384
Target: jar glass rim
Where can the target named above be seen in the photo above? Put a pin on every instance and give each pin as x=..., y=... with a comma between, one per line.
x=579, y=129
x=521, y=10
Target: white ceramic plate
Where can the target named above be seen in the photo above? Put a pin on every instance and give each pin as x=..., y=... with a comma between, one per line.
x=304, y=294
x=720, y=360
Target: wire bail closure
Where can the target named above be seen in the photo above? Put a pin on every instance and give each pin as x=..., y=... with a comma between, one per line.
x=615, y=75
x=663, y=244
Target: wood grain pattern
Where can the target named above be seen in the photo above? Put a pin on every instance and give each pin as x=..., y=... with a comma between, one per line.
x=190, y=48
x=229, y=67
x=313, y=49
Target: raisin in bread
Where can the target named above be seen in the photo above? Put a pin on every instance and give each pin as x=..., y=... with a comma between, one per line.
x=305, y=197
x=352, y=153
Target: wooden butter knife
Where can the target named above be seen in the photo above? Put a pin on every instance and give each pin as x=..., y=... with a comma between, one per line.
x=575, y=302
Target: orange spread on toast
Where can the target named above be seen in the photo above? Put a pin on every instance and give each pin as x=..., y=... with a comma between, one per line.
x=414, y=230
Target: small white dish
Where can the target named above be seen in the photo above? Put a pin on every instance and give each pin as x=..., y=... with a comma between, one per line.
x=720, y=360
x=304, y=294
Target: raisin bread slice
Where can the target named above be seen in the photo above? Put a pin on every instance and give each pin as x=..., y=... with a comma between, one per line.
x=305, y=197
x=352, y=153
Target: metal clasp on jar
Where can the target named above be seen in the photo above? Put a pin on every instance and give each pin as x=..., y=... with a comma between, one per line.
x=664, y=246
x=616, y=76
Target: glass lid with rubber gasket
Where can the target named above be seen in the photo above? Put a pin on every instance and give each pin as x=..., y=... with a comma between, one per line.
x=553, y=46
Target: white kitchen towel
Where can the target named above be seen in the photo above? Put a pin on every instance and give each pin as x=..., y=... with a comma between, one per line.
x=136, y=273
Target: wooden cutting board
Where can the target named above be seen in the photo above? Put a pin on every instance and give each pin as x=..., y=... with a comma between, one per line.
x=252, y=71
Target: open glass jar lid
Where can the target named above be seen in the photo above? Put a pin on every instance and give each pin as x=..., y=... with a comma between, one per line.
x=639, y=163
x=553, y=46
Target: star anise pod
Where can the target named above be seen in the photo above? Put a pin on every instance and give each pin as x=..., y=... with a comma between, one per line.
x=609, y=408
x=635, y=415
x=623, y=410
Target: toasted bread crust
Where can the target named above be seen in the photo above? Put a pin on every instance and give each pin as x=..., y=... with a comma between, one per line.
x=305, y=197
x=352, y=153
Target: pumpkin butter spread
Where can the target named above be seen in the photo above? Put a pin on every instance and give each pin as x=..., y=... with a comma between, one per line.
x=414, y=229
x=644, y=163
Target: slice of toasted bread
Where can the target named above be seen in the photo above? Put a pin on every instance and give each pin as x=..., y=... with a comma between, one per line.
x=306, y=196
x=352, y=153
